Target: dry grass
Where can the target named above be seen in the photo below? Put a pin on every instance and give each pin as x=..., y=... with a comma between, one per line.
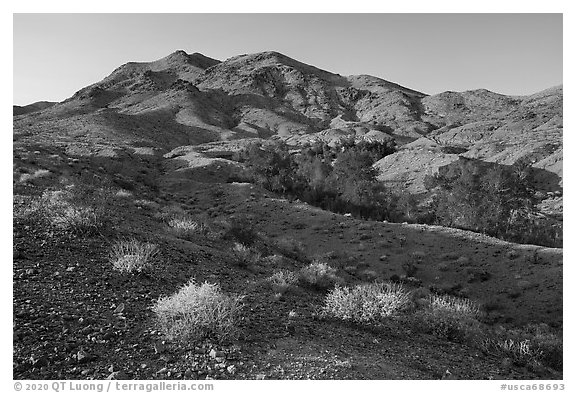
x=40, y=173
x=282, y=280
x=132, y=256
x=123, y=194
x=185, y=227
x=241, y=230
x=291, y=248
x=145, y=204
x=62, y=210
x=534, y=344
x=318, y=275
x=449, y=317
x=459, y=306
x=198, y=311
x=244, y=255
x=368, y=302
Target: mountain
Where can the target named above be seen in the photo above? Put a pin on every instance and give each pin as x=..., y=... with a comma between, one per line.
x=35, y=107
x=487, y=126
x=191, y=99
x=132, y=188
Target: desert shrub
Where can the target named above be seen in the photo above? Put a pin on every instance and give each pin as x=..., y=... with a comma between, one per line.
x=31, y=212
x=274, y=260
x=167, y=213
x=290, y=248
x=132, y=256
x=460, y=306
x=145, y=204
x=529, y=345
x=186, y=227
x=367, y=302
x=521, y=352
x=196, y=312
x=282, y=280
x=245, y=256
x=123, y=194
x=242, y=230
x=318, y=275
x=450, y=317
x=40, y=173
x=67, y=210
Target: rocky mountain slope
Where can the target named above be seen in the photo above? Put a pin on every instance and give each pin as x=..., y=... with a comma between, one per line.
x=187, y=99
x=35, y=107
x=158, y=139
x=489, y=127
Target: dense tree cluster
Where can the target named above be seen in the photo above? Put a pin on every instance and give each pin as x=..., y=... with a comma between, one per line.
x=337, y=177
x=494, y=199
x=470, y=194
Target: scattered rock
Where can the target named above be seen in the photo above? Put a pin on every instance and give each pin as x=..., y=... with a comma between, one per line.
x=39, y=361
x=216, y=354
x=82, y=356
x=119, y=309
x=114, y=375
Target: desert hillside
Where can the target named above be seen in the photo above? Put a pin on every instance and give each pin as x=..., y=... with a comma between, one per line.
x=191, y=99
x=322, y=218
x=37, y=106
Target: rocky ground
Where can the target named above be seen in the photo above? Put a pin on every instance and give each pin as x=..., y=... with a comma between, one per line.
x=77, y=318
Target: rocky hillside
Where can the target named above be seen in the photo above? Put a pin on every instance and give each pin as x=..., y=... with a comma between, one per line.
x=147, y=154
x=191, y=99
x=486, y=126
x=35, y=107
x=194, y=98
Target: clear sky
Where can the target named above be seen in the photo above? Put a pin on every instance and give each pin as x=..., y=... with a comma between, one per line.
x=57, y=54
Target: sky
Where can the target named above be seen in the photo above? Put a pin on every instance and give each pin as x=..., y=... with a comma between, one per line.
x=55, y=55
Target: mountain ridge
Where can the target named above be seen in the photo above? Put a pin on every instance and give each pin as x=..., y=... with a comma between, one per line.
x=155, y=154
x=186, y=99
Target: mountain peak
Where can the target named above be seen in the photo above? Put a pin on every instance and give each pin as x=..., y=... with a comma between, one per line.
x=180, y=57
x=179, y=52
